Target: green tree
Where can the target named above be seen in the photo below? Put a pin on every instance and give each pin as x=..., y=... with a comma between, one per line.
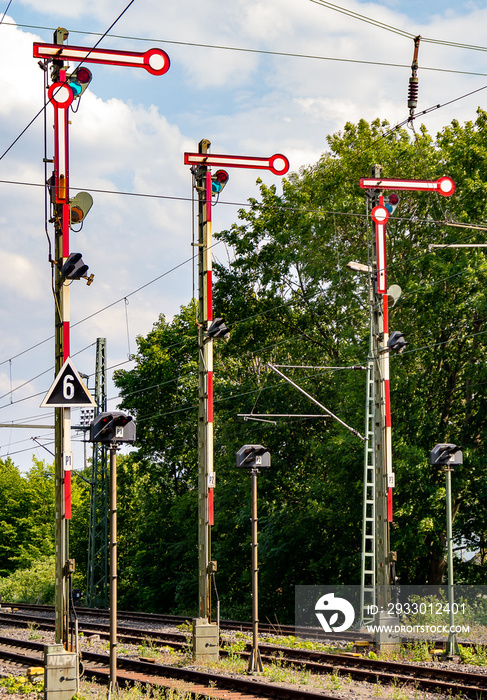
x=291, y=253
x=26, y=514
x=290, y=299
x=158, y=530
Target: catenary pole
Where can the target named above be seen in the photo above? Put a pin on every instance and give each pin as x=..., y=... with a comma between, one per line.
x=61, y=97
x=382, y=413
x=113, y=687
x=445, y=187
x=205, y=384
x=201, y=163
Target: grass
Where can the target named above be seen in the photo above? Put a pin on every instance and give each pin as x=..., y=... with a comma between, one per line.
x=296, y=643
x=148, y=649
x=20, y=685
x=416, y=651
x=476, y=656
x=334, y=681
x=137, y=692
x=34, y=631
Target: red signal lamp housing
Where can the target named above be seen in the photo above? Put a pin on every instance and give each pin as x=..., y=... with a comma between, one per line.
x=218, y=181
x=391, y=202
x=79, y=80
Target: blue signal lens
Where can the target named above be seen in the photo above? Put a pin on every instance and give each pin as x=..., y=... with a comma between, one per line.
x=75, y=87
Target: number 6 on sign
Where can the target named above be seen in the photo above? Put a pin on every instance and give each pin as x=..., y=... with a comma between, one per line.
x=68, y=387
x=67, y=390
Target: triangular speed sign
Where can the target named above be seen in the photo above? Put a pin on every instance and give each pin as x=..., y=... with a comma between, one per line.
x=68, y=389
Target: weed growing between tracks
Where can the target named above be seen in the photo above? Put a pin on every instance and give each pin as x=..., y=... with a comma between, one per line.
x=307, y=644
x=137, y=692
x=148, y=649
x=476, y=656
x=417, y=652
x=20, y=685
x=34, y=630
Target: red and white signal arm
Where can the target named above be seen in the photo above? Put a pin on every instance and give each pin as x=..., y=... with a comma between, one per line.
x=444, y=185
x=277, y=164
x=379, y=216
x=155, y=61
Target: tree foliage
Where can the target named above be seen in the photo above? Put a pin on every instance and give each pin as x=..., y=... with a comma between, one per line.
x=26, y=515
x=291, y=302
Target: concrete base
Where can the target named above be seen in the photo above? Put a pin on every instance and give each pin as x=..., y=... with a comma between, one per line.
x=61, y=673
x=205, y=640
x=387, y=639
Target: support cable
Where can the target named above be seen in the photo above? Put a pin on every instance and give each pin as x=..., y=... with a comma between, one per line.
x=243, y=49
x=5, y=11
x=305, y=393
x=65, y=82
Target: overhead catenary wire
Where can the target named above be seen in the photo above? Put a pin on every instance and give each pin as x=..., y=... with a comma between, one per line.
x=259, y=314
x=289, y=208
x=413, y=350
x=278, y=53
x=140, y=194
x=50, y=369
x=281, y=384
x=29, y=449
x=407, y=120
x=395, y=30
x=187, y=260
x=271, y=345
x=266, y=52
x=134, y=292
x=5, y=11
x=363, y=18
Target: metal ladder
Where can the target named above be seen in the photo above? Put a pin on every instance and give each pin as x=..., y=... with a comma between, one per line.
x=368, y=569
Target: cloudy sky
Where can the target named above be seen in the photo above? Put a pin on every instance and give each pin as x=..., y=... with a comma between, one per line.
x=255, y=77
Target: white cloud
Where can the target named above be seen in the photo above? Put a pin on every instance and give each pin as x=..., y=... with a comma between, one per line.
x=131, y=130
x=20, y=275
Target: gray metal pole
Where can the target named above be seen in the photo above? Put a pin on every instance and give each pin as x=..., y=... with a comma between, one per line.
x=452, y=644
x=255, y=662
x=381, y=525
x=113, y=687
x=382, y=456
x=205, y=358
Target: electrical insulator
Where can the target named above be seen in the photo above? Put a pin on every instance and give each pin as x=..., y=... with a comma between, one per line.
x=413, y=80
x=413, y=93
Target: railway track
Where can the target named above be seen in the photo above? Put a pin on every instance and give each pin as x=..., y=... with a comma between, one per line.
x=162, y=619
x=129, y=635
x=427, y=678
x=131, y=671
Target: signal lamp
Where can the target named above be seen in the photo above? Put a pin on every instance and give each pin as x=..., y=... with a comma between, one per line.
x=79, y=207
x=112, y=427
x=393, y=294
x=218, y=181
x=391, y=202
x=74, y=268
x=79, y=80
x=445, y=454
x=253, y=457
x=396, y=342
x=218, y=330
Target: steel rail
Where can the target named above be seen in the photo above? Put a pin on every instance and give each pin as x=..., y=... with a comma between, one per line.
x=471, y=685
